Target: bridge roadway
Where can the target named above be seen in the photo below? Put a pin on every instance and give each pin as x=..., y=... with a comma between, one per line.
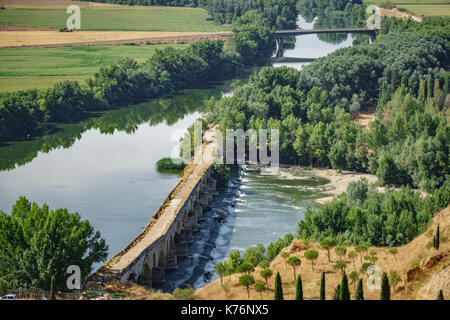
x=169, y=232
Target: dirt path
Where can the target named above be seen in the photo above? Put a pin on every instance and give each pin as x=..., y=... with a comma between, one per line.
x=13, y=39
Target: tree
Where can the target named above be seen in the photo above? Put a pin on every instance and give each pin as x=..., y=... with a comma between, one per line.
x=394, y=278
x=340, y=265
x=440, y=295
x=4, y=286
x=437, y=241
x=52, y=289
x=299, y=289
x=322, y=287
x=285, y=256
x=38, y=243
x=365, y=266
x=327, y=244
x=352, y=255
x=294, y=262
x=337, y=292
x=247, y=280
x=266, y=274
x=260, y=287
x=387, y=170
x=361, y=249
x=220, y=270
x=359, y=295
x=278, y=287
x=344, y=292
x=353, y=277
x=385, y=293
x=394, y=252
x=245, y=267
x=340, y=251
x=312, y=256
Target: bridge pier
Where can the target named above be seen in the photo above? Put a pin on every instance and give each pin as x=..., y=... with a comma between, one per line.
x=279, y=47
x=158, y=275
x=186, y=234
x=171, y=262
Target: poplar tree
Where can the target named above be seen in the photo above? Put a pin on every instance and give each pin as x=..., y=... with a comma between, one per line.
x=440, y=295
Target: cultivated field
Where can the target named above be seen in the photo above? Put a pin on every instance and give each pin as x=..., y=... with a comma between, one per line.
x=428, y=10
x=109, y=18
x=27, y=68
x=420, y=7
x=56, y=38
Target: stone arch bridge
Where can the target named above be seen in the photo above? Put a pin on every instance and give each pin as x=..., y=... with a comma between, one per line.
x=170, y=231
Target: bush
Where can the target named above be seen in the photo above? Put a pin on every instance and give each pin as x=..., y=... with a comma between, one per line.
x=170, y=164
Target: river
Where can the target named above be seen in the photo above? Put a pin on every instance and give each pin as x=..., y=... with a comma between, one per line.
x=104, y=169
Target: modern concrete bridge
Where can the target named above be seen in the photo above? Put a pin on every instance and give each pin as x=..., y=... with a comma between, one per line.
x=169, y=232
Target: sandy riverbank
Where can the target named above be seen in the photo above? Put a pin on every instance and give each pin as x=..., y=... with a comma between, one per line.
x=338, y=180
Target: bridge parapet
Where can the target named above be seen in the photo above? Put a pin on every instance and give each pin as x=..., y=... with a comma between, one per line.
x=167, y=235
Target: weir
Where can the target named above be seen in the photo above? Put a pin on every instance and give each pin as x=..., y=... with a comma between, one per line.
x=167, y=236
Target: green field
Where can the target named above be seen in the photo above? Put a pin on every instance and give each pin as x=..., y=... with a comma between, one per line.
x=27, y=68
x=420, y=7
x=114, y=18
x=428, y=10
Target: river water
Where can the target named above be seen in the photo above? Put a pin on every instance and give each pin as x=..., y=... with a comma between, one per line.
x=104, y=169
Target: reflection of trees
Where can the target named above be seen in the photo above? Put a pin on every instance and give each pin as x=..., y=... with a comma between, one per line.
x=125, y=119
x=335, y=21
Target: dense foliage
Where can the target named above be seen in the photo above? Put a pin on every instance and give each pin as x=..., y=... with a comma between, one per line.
x=391, y=218
x=170, y=164
x=38, y=244
x=279, y=13
x=23, y=113
x=313, y=109
x=430, y=26
x=172, y=3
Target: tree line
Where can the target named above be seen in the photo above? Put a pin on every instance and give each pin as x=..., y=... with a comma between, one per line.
x=24, y=113
x=362, y=215
x=313, y=109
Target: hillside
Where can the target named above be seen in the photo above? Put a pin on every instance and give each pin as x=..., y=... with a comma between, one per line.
x=422, y=282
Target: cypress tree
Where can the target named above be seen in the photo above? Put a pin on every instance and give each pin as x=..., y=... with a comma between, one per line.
x=278, y=288
x=440, y=295
x=359, y=295
x=337, y=292
x=52, y=289
x=299, y=289
x=385, y=293
x=322, y=287
x=437, y=237
x=344, y=293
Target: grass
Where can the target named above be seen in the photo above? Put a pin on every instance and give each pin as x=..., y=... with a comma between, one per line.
x=428, y=10
x=28, y=68
x=114, y=18
x=420, y=7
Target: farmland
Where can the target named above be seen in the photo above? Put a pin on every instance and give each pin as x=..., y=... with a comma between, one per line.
x=27, y=68
x=113, y=18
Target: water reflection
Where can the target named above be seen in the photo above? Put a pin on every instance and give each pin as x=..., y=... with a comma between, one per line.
x=104, y=167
